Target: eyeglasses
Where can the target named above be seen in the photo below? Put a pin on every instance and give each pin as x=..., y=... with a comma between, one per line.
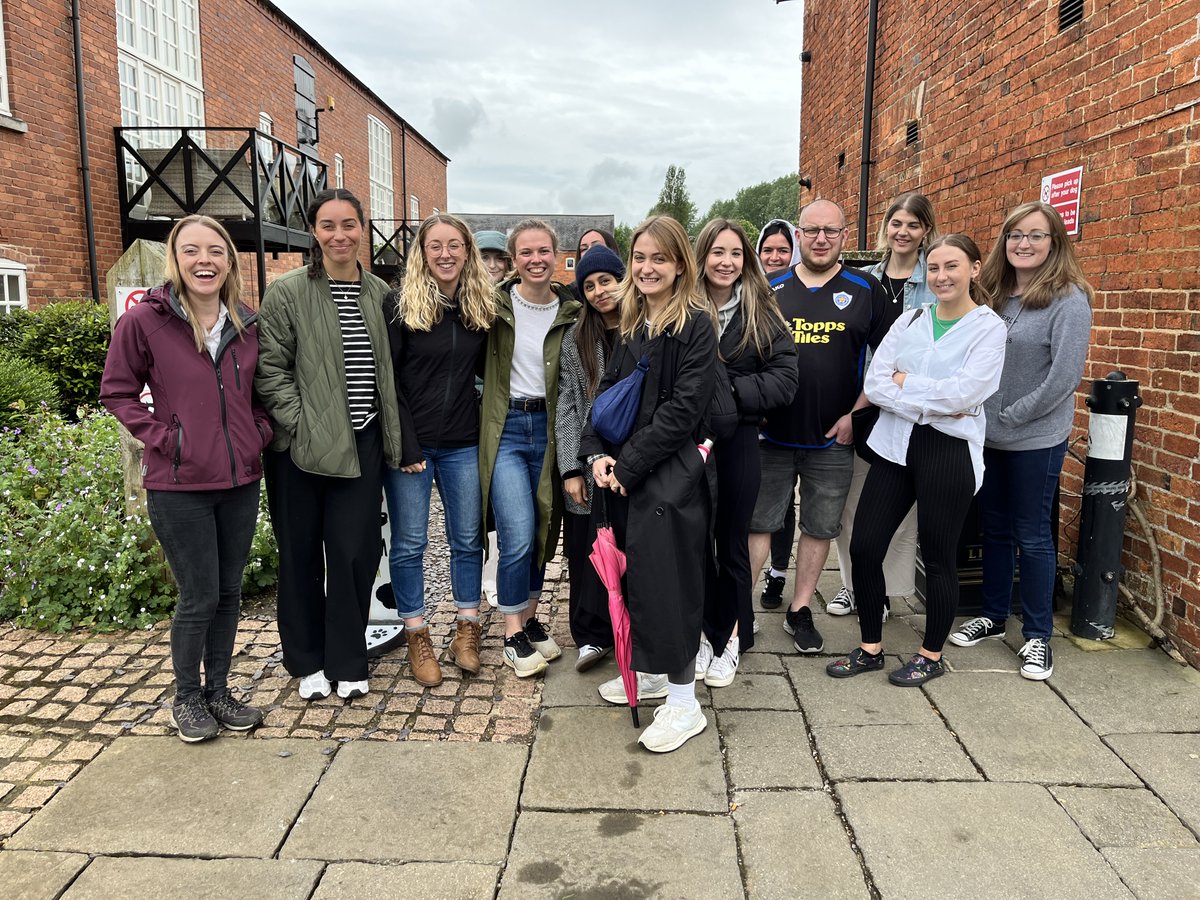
x=829, y=232
x=1035, y=237
x=435, y=248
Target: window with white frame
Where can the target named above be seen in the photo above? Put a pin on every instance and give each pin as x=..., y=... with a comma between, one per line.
x=414, y=208
x=379, y=152
x=158, y=66
x=266, y=148
x=339, y=171
x=4, y=107
x=12, y=287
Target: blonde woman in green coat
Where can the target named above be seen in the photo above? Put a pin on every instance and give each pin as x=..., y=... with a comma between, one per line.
x=517, y=451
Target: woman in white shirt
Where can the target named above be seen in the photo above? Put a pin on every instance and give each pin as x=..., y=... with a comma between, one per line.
x=929, y=378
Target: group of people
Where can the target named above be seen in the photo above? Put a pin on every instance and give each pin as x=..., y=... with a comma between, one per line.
x=479, y=374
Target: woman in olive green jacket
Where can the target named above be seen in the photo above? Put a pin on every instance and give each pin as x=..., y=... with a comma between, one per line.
x=325, y=377
x=517, y=453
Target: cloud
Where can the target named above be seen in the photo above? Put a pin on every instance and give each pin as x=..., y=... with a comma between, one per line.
x=455, y=122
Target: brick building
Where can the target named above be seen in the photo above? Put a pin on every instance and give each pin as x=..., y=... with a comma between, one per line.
x=974, y=105
x=569, y=228
x=186, y=64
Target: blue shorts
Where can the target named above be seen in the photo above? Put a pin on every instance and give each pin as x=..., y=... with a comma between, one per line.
x=825, y=475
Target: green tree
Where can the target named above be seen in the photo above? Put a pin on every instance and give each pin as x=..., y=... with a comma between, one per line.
x=674, y=200
x=759, y=203
x=624, y=234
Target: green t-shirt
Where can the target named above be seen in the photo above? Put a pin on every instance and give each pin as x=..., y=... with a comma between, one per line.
x=941, y=326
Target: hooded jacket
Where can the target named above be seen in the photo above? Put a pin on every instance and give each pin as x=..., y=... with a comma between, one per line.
x=205, y=430
x=791, y=232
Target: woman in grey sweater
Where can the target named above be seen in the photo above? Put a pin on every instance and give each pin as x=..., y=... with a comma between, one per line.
x=1040, y=291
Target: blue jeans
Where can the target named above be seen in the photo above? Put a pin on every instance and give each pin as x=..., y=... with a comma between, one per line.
x=1015, y=504
x=456, y=472
x=513, y=494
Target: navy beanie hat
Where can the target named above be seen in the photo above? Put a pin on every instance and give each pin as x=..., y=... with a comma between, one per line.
x=598, y=259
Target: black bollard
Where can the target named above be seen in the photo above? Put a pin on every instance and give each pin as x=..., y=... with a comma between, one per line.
x=1113, y=404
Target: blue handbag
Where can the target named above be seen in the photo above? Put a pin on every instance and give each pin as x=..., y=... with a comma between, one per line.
x=615, y=411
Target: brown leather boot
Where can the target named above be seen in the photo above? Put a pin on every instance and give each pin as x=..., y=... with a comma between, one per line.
x=422, y=659
x=464, y=648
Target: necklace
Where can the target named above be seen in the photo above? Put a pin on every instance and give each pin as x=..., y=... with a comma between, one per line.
x=533, y=307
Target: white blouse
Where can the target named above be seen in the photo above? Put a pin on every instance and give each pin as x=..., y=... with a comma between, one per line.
x=943, y=380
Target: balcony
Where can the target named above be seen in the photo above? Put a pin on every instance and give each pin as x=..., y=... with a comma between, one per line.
x=390, y=240
x=254, y=184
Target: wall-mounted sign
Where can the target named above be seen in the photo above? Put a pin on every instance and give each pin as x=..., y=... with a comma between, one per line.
x=1061, y=190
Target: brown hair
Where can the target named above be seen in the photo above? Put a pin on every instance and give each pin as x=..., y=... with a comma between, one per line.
x=962, y=242
x=916, y=205
x=316, y=264
x=1055, y=277
x=760, y=313
x=231, y=290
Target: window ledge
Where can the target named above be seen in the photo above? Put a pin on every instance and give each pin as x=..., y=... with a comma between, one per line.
x=13, y=124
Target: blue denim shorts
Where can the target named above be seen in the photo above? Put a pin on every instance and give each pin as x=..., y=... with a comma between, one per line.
x=825, y=476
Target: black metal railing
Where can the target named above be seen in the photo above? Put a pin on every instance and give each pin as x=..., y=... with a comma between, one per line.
x=390, y=240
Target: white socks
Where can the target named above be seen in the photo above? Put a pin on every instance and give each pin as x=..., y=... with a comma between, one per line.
x=775, y=573
x=682, y=695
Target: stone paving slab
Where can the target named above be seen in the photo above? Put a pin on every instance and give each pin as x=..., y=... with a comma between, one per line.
x=1020, y=730
x=899, y=752
x=1170, y=764
x=590, y=759
x=755, y=691
x=1155, y=874
x=621, y=854
x=411, y=881
x=201, y=879
x=1129, y=690
x=973, y=840
x=767, y=749
x=864, y=700
x=1123, y=817
x=842, y=634
x=794, y=844
x=564, y=686
x=29, y=875
x=753, y=663
x=159, y=796
x=464, y=797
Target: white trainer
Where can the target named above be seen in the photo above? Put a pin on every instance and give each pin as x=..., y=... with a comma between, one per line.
x=589, y=655
x=724, y=667
x=704, y=658
x=672, y=727
x=649, y=687
x=348, y=690
x=315, y=686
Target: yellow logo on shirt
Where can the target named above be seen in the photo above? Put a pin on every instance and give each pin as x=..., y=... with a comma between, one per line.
x=806, y=332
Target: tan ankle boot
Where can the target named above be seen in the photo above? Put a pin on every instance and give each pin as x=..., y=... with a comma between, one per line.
x=464, y=648
x=422, y=659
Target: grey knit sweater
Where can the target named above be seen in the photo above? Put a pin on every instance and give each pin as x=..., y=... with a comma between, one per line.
x=574, y=408
x=1043, y=364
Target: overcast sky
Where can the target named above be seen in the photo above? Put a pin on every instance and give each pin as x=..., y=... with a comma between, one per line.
x=557, y=107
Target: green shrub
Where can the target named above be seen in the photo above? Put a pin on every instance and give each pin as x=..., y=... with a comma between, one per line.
x=69, y=554
x=12, y=328
x=262, y=568
x=69, y=339
x=24, y=387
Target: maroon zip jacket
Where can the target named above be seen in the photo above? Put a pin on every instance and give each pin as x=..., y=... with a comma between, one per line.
x=205, y=431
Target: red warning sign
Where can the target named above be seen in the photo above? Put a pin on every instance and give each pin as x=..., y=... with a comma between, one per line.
x=1062, y=191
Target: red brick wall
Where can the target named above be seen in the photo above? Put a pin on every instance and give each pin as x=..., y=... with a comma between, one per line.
x=1002, y=99
x=41, y=206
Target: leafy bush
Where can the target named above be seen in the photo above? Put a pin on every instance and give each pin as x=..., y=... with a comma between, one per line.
x=12, y=328
x=69, y=339
x=69, y=554
x=24, y=386
x=262, y=568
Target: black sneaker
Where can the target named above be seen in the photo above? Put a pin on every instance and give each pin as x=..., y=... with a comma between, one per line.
x=541, y=642
x=522, y=657
x=1037, y=660
x=917, y=671
x=233, y=713
x=799, y=624
x=772, y=595
x=193, y=720
x=857, y=662
x=975, y=630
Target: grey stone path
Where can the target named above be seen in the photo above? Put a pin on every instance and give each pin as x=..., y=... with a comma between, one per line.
x=980, y=785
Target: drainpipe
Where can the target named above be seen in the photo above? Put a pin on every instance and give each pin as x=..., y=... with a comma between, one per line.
x=84, y=166
x=404, y=187
x=864, y=178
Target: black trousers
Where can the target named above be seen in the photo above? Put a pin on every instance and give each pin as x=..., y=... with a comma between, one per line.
x=588, y=605
x=329, y=549
x=783, y=541
x=728, y=601
x=938, y=477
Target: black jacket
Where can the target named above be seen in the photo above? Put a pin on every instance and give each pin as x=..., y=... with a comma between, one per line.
x=759, y=384
x=435, y=382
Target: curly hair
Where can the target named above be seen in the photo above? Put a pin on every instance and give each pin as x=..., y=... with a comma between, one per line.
x=421, y=300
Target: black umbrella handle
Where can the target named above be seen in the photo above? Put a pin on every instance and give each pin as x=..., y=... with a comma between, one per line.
x=598, y=497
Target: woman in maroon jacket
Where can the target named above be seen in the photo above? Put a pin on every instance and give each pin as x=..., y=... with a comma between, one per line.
x=196, y=347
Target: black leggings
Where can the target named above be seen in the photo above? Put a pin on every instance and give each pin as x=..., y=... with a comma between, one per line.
x=939, y=478
x=738, y=477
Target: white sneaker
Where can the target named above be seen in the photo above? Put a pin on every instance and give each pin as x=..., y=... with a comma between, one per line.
x=842, y=603
x=348, y=690
x=704, y=658
x=757, y=626
x=672, y=727
x=724, y=667
x=589, y=655
x=490, y=595
x=649, y=687
x=315, y=686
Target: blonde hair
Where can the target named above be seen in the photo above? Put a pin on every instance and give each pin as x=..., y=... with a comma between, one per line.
x=231, y=290
x=686, y=298
x=760, y=313
x=421, y=302
x=1054, y=278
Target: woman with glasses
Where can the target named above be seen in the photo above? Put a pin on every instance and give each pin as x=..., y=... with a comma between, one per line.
x=1039, y=289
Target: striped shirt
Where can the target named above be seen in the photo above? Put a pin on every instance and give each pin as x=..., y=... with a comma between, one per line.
x=356, y=350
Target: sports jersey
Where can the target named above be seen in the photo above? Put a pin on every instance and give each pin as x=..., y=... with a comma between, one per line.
x=832, y=326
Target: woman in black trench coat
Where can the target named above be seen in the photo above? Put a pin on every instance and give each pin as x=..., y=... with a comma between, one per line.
x=658, y=500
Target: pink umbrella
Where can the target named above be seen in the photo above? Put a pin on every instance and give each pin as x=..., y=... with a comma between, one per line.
x=609, y=562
